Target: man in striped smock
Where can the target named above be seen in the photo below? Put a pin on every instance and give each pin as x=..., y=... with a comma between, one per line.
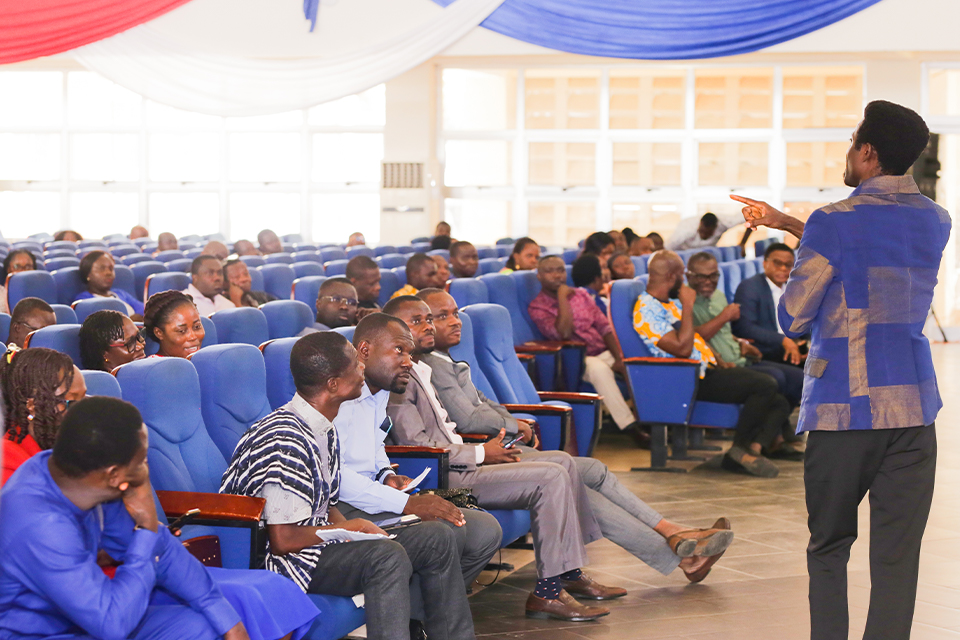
x=291, y=458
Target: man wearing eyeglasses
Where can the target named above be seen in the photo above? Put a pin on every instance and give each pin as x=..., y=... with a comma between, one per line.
x=30, y=314
x=336, y=306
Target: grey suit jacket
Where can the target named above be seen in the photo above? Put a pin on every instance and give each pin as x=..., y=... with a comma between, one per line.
x=468, y=407
x=415, y=422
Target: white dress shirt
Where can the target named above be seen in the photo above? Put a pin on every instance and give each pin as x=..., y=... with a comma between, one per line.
x=205, y=305
x=423, y=371
x=686, y=235
x=362, y=426
x=776, y=292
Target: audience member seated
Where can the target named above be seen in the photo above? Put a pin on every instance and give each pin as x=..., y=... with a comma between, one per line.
x=245, y=248
x=656, y=239
x=16, y=261
x=269, y=242
x=758, y=297
x=272, y=461
x=623, y=517
x=621, y=267
x=443, y=268
x=166, y=242
x=442, y=229
x=356, y=239
x=641, y=246
x=370, y=489
x=336, y=306
x=139, y=232
x=109, y=339
x=694, y=234
x=97, y=272
x=422, y=273
x=663, y=317
x=38, y=385
x=601, y=245
x=587, y=274
x=239, y=286
x=30, y=314
x=67, y=235
x=619, y=240
x=90, y=501
x=216, y=249
x=549, y=487
x=364, y=274
x=440, y=242
x=523, y=257
x=712, y=317
x=565, y=313
x=464, y=259
x=171, y=319
x=206, y=286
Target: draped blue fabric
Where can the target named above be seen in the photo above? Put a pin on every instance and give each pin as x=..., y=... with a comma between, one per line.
x=310, y=8
x=664, y=29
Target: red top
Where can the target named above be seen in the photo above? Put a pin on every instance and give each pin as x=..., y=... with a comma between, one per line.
x=15, y=454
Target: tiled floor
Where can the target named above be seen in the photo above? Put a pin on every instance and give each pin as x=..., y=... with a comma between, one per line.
x=759, y=588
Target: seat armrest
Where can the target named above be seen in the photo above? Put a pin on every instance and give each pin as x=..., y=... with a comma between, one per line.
x=401, y=449
x=662, y=361
x=474, y=437
x=525, y=357
x=213, y=506
x=570, y=396
x=538, y=347
x=536, y=408
x=412, y=454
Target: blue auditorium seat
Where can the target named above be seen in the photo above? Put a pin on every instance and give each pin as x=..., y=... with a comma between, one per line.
x=101, y=383
x=31, y=284
x=85, y=307
x=4, y=328
x=569, y=255
x=335, y=268
x=245, y=325
x=758, y=264
x=141, y=272
x=277, y=279
x=305, y=246
x=306, y=256
x=307, y=268
x=166, y=281
x=748, y=268
x=307, y=290
x=292, y=238
x=182, y=265
x=421, y=240
x=29, y=245
x=384, y=249
x=731, y=278
x=504, y=251
x=487, y=252
x=192, y=254
x=61, y=245
x=440, y=252
x=124, y=279
x=191, y=239
x=360, y=250
x=761, y=245
x=134, y=258
x=730, y=253
x=61, y=263
x=141, y=242
x=124, y=250
x=406, y=250
x=401, y=273
x=91, y=244
x=505, y=241
x=276, y=358
x=489, y=265
x=64, y=338
x=65, y=314
x=279, y=258
x=169, y=255
x=253, y=261
x=392, y=260
x=466, y=291
x=347, y=332
x=50, y=254
x=332, y=253
x=389, y=284
x=421, y=247
x=287, y=318
x=639, y=265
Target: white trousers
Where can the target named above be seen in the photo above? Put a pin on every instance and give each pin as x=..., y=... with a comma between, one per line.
x=598, y=371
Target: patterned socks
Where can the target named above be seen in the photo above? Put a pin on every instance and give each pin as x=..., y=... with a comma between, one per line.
x=549, y=588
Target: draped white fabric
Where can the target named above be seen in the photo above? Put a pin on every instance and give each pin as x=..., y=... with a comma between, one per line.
x=163, y=69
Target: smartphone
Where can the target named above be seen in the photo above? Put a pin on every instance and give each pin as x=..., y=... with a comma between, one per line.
x=392, y=524
x=183, y=520
x=509, y=443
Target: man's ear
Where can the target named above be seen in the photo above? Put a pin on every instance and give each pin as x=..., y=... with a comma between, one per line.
x=363, y=350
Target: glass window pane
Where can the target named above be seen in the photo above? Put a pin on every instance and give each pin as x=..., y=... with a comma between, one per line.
x=95, y=101
x=647, y=99
x=479, y=99
x=264, y=157
x=337, y=215
x=250, y=213
x=285, y=120
x=96, y=215
x=483, y=221
x=31, y=98
x=104, y=156
x=347, y=157
x=558, y=99
x=822, y=97
x=561, y=223
x=184, y=214
x=160, y=115
x=646, y=163
x=734, y=164
x=184, y=157
x=944, y=92
x=27, y=212
x=644, y=217
x=478, y=163
x=734, y=98
x=29, y=156
x=562, y=163
x=362, y=109
x=816, y=164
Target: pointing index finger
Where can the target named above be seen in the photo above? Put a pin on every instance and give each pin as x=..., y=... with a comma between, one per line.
x=745, y=200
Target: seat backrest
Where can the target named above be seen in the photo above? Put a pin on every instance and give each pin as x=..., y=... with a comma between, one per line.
x=27, y=284
x=335, y=267
x=101, y=383
x=124, y=250
x=135, y=258
x=279, y=258
x=182, y=265
x=639, y=265
x=50, y=254
x=623, y=298
x=68, y=283
x=287, y=318
x=57, y=245
x=748, y=268
x=467, y=291
x=304, y=246
x=332, y=253
x=421, y=240
x=360, y=250
x=243, y=325
x=87, y=244
x=276, y=359
x=401, y=273
x=85, y=307
x=64, y=338
x=181, y=454
x=66, y=314
x=256, y=280
x=502, y=290
x=488, y=265
x=384, y=249
x=306, y=256
x=570, y=255
x=59, y=263
x=307, y=290
x=729, y=254
x=166, y=281
x=421, y=247
x=391, y=260
x=346, y=332
x=169, y=255
x=253, y=261
x=440, y=252
x=306, y=268
x=389, y=284
x=141, y=271
x=233, y=391
x=496, y=356
x=4, y=327
x=528, y=288
x=124, y=279
x=466, y=352
x=292, y=237
x=731, y=279
x=406, y=249
x=278, y=279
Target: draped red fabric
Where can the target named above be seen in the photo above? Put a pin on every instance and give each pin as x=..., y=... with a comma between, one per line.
x=35, y=28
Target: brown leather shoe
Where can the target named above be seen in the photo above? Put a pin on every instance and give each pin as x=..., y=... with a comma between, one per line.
x=563, y=608
x=589, y=589
x=700, y=542
x=703, y=571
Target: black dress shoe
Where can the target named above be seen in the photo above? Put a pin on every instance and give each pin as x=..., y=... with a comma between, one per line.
x=417, y=632
x=640, y=436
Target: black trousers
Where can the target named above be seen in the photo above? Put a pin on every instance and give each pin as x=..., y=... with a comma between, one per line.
x=764, y=409
x=897, y=467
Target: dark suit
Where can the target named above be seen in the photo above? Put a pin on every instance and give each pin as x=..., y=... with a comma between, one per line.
x=758, y=317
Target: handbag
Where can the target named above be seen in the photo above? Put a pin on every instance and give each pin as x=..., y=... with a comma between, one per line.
x=460, y=497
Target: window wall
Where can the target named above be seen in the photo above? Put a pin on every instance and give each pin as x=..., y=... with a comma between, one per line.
x=77, y=151
x=559, y=152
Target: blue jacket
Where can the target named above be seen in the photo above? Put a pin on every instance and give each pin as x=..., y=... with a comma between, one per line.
x=862, y=285
x=758, y=316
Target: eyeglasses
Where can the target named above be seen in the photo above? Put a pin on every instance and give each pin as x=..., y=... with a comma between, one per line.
x=63, y=402
x=340, y=300
x=28, y=325
x=131, y=344
x=712, y=277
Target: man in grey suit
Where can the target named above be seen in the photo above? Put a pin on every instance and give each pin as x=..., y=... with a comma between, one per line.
x=623, y=517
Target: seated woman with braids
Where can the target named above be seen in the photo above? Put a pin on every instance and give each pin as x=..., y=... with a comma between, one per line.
x=97, y=272
x=109, y=339
x=171, y=319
